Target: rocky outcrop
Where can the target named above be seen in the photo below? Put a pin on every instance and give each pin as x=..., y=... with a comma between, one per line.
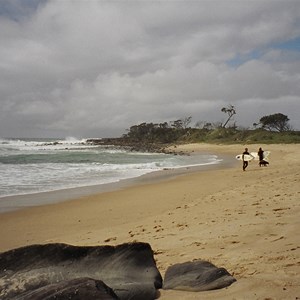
x=130, y=145
x=128, y=269
x=75, y=289
x=196, y=276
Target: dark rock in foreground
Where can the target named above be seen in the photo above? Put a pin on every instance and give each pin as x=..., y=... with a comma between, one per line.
x=75, y=289
x=196, y=276
x=128, y=269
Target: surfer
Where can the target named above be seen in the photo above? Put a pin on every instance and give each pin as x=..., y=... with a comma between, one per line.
x=260, y=154
x=245, y=163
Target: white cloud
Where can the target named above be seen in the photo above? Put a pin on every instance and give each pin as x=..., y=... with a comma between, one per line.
x=98, y=67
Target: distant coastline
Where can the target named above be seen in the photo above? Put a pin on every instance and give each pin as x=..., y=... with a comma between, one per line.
x=160, y=140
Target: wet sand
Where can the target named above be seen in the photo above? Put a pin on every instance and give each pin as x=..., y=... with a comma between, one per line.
x=247, y=222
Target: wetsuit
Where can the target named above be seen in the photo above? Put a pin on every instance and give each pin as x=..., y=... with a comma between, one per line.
x=245, y=163
x=260, y=154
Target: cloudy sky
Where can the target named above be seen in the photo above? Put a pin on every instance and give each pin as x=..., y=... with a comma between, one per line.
x=94, y=68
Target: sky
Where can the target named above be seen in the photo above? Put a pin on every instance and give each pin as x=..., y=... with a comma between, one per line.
x=94, y=68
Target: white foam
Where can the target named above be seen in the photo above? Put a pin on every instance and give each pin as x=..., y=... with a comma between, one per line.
x=61, y=167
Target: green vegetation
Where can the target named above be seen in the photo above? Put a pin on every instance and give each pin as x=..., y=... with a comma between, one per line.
x=257, y=136
x=276, y=122
x=272, y=129
x=154, y=133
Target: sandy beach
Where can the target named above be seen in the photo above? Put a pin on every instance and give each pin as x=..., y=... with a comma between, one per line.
x=247, y=222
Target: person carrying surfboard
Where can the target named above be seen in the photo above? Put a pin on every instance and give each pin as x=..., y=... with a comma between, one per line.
x=261, y=158
x=260, y=154
x=245, y=163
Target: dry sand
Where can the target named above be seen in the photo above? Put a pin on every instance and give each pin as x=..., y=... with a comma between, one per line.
x=247, y=222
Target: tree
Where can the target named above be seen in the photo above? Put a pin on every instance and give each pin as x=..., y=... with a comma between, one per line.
x=178, y=124
x=206, y=125
x=186, y=122
x=276, y=122
x=230, y=110
x=181, y=123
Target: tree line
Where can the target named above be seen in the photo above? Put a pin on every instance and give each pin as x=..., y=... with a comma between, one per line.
x=167, y=132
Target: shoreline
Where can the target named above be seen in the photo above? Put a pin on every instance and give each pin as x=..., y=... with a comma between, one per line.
x=24, y=201
x=246, y=222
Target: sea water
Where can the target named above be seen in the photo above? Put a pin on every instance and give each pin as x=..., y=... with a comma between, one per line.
x=39, y=165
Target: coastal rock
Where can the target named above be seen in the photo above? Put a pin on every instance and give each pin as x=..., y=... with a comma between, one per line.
x=130, y=145
x=196, y=276
x=75, y=289
x=129, y=269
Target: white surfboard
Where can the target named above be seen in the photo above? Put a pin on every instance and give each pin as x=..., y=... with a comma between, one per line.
x=265, y=155
x=246, y=157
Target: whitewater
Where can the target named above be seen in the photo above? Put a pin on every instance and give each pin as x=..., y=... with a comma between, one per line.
x=29, y=166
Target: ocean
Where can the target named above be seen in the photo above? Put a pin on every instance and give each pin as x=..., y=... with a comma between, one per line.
x=30, y=166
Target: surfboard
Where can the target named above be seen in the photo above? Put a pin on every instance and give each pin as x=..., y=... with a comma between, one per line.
x=246, y=157
x=265, y=155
